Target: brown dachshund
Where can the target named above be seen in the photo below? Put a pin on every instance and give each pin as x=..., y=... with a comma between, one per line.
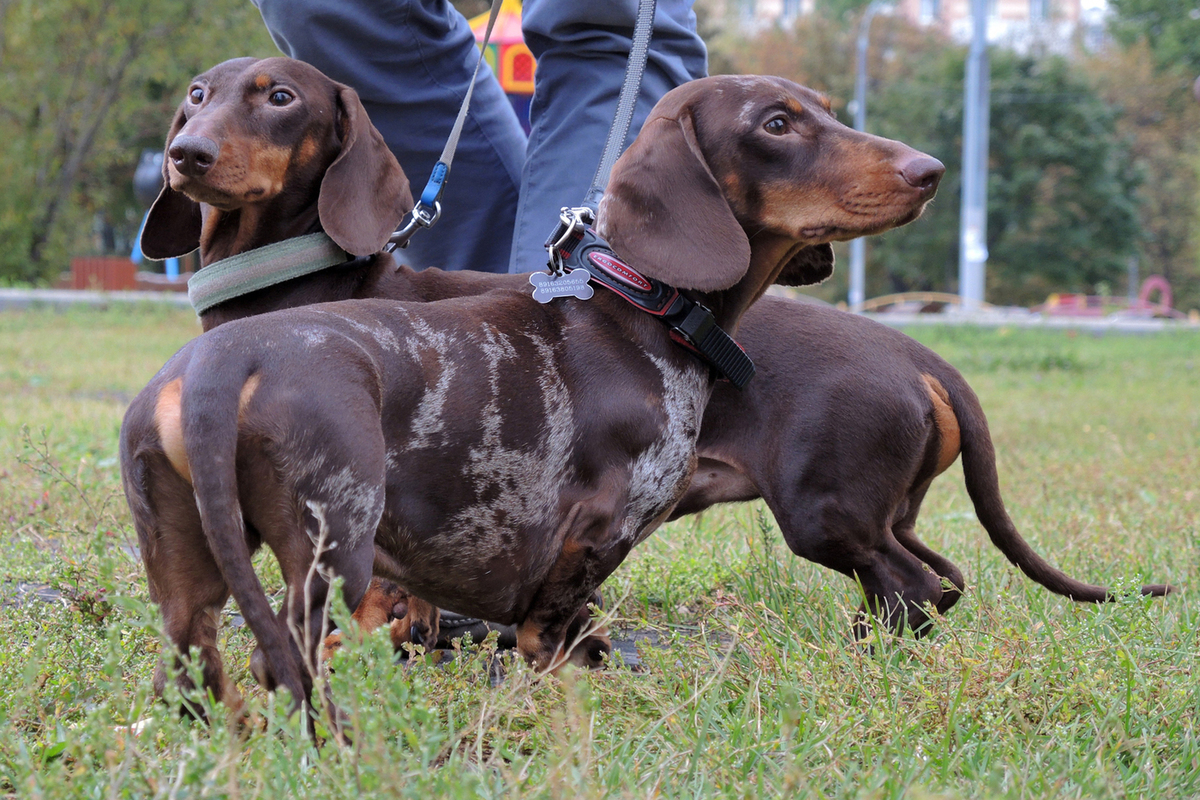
x=493, y=455
x=841, y=432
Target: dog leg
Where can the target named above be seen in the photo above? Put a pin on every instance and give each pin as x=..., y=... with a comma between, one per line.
x=897, y=585
x=861, y=545
x=303, y=614
x=183, y=578
x=383, y=602
x=905, y=532
x=558, y=630
x=588, y=644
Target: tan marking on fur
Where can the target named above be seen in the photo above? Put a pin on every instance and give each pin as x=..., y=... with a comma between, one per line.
x=247, y=393
x=732, y=184
x=262, y=81
x=571, y=547
x=270, y=166
x=245, y=172
x=946, y=422
x=529, y=639
x=168, y=418
x=308, y=150
x=794, y=106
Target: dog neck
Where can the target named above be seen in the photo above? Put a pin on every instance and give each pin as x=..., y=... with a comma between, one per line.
x=229, y=233
x=289, y=215
x=226, y=234
x=769, y=254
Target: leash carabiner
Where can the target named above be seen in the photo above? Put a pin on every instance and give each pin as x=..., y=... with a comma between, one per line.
x=572, y=223
x=422, y=217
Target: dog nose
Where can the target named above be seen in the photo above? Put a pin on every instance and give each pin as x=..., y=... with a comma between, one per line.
x=923, y=172
x=193, y=155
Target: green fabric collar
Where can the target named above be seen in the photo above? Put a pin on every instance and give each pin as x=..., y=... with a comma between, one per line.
x=262, y=267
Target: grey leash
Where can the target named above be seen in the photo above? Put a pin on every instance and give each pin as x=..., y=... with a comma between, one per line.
x=626, y=103
x=573, y=221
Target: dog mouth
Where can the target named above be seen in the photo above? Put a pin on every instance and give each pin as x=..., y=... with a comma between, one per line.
x=220, y=198
x=881, y=221
x=869, y=216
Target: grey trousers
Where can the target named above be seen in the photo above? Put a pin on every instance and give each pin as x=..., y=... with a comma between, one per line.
x=411, y=62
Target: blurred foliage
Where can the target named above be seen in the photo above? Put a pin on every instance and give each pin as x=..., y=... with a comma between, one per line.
x=1171, y=28
x=85, y=85
x=1092, y=158
x=1160, y=120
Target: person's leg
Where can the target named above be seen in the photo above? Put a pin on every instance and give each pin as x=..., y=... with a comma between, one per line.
x=582, y=47
x=411, y=62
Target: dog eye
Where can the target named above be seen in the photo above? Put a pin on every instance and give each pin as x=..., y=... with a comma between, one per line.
x=196, y=95
x=280, y=98
x=776, y=126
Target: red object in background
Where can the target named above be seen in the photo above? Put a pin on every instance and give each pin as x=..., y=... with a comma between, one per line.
x=106, y=273
x=509, y=58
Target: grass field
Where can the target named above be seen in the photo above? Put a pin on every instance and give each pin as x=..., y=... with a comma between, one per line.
x=755, y=689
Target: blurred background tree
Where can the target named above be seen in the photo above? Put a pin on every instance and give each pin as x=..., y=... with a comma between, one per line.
x=1158, y=116
x=84, y=86
x=1170, y=29
x=1094, y=156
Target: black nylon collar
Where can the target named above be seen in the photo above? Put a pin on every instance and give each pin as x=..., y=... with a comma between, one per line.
x=691, y=324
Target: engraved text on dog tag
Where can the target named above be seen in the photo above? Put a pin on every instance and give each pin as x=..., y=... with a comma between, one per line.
x=546, y=287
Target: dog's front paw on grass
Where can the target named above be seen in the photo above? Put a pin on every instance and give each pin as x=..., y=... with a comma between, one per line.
x=594, y=651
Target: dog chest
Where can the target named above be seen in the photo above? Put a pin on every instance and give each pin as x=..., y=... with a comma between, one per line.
x=487, y=485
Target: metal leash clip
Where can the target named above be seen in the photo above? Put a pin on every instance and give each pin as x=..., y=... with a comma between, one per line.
x=572, y=222
x=422, y=217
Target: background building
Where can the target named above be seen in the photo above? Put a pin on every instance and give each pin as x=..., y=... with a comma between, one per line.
x=1047, y=26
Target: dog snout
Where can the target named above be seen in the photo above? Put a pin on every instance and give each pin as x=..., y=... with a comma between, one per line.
x=193, y=155
x=923, y=172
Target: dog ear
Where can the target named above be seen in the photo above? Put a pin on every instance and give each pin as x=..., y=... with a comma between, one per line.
x=811, y=265
x=173, y=225
x=364, y=194
x=665, y=213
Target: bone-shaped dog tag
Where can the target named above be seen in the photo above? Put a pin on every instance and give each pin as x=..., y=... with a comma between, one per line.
x=546, y=287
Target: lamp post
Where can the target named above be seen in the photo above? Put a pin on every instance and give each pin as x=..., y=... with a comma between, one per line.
x=858, y=253
x=972, y=237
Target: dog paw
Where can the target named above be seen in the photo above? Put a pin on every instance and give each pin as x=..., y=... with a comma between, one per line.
x=418, y=634
x=593, y=651
x=418, y=626
x=331, y=643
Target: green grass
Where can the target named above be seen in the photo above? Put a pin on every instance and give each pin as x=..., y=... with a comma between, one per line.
x=756, y=691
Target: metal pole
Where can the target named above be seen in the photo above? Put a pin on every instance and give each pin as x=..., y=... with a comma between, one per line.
x=972, y=247
x=858, y=252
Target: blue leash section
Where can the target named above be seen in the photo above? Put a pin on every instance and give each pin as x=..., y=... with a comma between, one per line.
x=429, y=208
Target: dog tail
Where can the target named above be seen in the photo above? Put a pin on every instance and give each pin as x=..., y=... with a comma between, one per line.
x=212, y=394
x=983, y=486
